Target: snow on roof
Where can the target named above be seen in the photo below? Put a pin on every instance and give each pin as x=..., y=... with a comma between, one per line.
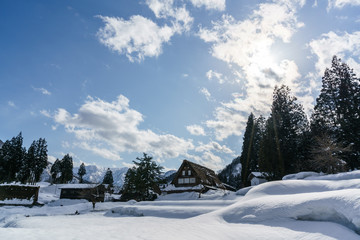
x=78, y=186
x=258, y=174
x=18, y=184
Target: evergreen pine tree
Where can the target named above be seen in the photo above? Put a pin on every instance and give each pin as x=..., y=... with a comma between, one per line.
x=81, y=172
x=250, y=149
x=280, y=153
x=141, y=181
x=108, y=178
x=12, y=156
x=55, y=170
x=337, y=109
x=41, y=159
x=66, y=168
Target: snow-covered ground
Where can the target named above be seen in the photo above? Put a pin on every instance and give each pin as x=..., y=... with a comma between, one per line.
x=308, y=206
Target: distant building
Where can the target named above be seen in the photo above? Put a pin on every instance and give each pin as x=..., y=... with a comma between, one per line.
x=11, y=194
x=192, y=177
x=90, y=192
x=256, y=178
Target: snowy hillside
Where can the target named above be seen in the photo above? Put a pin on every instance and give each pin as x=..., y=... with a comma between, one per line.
x=309, y=208
x=95, y=174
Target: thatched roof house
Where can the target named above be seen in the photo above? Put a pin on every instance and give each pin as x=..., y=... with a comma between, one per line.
x=194, y=177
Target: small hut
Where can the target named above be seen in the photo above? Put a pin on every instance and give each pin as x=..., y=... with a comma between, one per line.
x=11, y=194
x=194, y=177
x=89, y=192
x=256, y=178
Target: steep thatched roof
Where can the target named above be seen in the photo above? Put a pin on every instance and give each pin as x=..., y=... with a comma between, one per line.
x=206, y=175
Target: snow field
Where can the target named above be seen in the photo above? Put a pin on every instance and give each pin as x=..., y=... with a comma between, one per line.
x=289, y=209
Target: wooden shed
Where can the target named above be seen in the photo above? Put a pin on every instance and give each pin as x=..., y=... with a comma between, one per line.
x=18, y=194
x=90, y=192
x=256, y=178
x=194, y=177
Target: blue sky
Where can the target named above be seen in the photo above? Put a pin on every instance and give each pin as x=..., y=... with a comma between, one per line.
x=108, y=80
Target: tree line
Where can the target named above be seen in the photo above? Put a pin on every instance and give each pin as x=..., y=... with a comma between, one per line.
x=19, y=164
x=26, y=166
x=288, y=141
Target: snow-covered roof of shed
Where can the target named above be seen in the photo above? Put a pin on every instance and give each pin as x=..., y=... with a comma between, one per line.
x=78, y=186
x=258, y=174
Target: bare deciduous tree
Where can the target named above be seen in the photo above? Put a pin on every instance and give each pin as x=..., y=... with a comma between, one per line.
x=326, y=155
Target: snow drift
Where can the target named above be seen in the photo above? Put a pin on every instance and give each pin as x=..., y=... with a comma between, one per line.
x=317, y=200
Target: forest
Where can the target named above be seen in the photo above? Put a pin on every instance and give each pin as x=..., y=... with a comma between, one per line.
x=289, y=141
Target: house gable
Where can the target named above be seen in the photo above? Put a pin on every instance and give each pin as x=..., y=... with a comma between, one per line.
x=192, y=174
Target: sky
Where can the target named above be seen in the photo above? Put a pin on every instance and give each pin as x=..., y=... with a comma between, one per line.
x=106, y=81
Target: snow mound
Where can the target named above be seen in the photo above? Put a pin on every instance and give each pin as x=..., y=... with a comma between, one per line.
x=124, y=211
x=332, y=201
x=301, y=175
x=243, y=191
x=300, y=186
x=339, y=176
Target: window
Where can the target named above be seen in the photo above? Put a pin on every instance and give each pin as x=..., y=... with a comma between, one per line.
x=183, y=173
x=189, y=172
x=186, y=180
x=192, y=180
x=180, y=181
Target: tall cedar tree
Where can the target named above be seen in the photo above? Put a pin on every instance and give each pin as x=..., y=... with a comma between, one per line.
x=280, y=145
x=337, y=109
x=66, y=168
x=55, y=170
x=35, y=161
x=108, y=178
x=11, y=157
x=141, y=181
x=81, y=172
x=250, y=148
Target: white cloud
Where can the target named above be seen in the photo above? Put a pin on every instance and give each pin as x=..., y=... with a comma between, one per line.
x=196, y=130
x=65, y=144
x=210, y=4
x=227, y=122
x=42, y=90
x=206, y=93
x=246, y=46
x=342, y=3
x=213, y=75
x=209, y=160
x=137, y=38
x=11, y=104
x=45, y=113
x=345, y=46
x=166, y=9
x=111, y=128
x=140, y=37
x=213, y=146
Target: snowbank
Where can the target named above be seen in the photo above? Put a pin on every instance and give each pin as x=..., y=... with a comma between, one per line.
x=301, y=175
x=332, y=201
